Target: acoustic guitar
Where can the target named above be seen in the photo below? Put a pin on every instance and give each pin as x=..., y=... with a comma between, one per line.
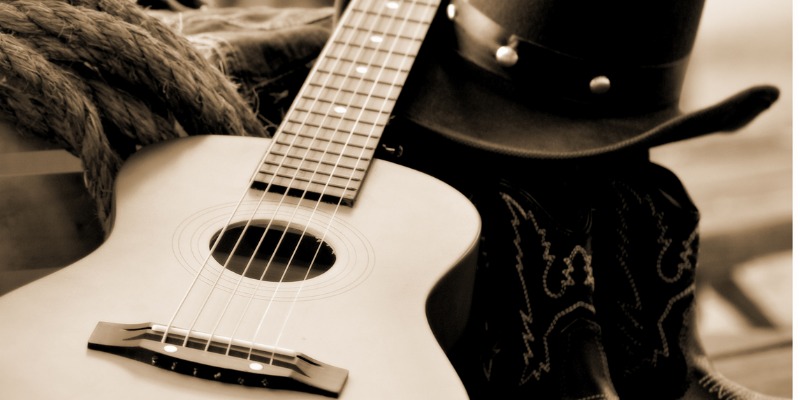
x=289, y=268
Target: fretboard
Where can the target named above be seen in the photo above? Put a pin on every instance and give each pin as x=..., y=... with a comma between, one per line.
x=326, y=142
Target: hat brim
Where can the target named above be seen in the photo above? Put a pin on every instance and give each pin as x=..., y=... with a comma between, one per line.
x=454, y=98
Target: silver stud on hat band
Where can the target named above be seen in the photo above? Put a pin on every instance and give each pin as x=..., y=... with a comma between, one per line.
x=600, y=84
x=507, y=55
x=451, y=11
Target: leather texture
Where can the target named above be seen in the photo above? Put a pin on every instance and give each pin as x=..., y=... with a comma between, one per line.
x=586, y=281
x=534, y=313
x=637, y=86
x=552, y=113
x=647, y=240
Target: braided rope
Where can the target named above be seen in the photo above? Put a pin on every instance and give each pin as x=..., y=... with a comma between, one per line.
x=45, y=99
x=130, y=13
x=129, y=53
x=96, y=76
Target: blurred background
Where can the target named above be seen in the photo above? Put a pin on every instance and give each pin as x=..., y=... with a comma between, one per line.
x=741, y=182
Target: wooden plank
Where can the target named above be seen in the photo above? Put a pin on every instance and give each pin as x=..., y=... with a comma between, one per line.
x=41, y=162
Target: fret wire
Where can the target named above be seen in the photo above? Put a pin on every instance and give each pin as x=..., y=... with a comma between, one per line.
x=354, y=96
x=303, y=175
x=359, y=129
x=372, y=47
x=415, y=12
x=319, y=117
x=332, y=169
x=348, y=75
x=317, y=98
x=369, y=104
x=324, y=104
x=373, y=13
x=328, y=159
x=360, y=135
x=399, y=35
x=390, y=93
x=344, y=132
x=340, y=80
x=342, y=147
x=359, y=158
x=337, y=33
x=364, y=140
x=332, y=173
x=325, y=61
x=377, y=116
x=391, y=97
x=321, y=112
x=408, y=45
x=397, y=62
x=426, y=3
x=301, y=178
x=337, y=191
x=323, y=161
x=336, y=146
x=378, y=8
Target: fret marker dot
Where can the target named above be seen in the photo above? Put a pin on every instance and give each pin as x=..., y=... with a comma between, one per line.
x=340, y=109
x=376, y=39
x=393, y=5
x=361, y=69
x=170, y=348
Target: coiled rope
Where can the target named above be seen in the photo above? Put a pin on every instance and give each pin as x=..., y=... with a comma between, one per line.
x=100, y=77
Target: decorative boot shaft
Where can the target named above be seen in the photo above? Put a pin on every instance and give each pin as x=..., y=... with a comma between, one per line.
x=646, y=246
x=535, y=315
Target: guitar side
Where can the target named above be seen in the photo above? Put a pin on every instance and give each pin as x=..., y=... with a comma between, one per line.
x=403, y=251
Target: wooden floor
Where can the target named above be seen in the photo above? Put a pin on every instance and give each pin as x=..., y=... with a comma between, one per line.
x=742, y=184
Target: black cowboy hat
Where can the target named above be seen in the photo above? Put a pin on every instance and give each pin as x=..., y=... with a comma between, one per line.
x=565, y=78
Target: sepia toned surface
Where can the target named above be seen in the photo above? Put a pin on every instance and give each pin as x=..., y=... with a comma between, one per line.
x=741, y=182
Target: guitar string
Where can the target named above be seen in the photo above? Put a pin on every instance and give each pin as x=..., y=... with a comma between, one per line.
x=274, y=216
x=247, y=225
x=398, y=79
x=206, y=260
x=268, y=152
x=337, y=61
x=266, y=230
x=269, y=263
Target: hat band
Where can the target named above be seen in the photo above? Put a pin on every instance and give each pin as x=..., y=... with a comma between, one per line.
x=535, y=69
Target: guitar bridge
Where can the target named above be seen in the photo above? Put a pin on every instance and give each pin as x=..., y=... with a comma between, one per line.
x=227, y=361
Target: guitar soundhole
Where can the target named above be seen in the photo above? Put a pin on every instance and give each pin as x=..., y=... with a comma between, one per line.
x=284, y=255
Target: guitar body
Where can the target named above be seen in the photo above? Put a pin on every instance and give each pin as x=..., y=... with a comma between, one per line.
x=397, y=292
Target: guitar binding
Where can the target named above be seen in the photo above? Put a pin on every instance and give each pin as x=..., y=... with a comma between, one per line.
x=224, y=361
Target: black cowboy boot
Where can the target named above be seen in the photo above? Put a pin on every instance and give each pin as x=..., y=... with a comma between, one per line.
x=646, y=242
x=534, y=318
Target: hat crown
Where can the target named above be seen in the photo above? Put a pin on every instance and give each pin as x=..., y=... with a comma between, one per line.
x=633, y=32
x=565, y=79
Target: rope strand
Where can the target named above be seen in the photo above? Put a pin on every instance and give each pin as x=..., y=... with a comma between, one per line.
x=130, y=13
x=101, y=77
x=128, y=52
x=46, y=101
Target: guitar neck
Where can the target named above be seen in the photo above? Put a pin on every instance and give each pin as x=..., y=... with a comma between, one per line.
x=326, y=142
